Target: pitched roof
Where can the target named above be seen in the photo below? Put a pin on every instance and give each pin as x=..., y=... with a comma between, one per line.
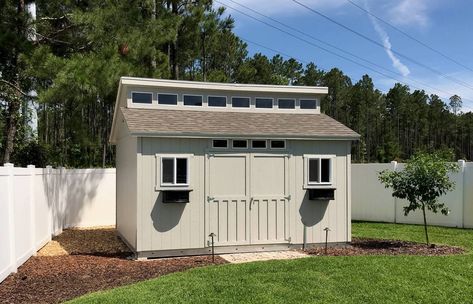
x=195, y=123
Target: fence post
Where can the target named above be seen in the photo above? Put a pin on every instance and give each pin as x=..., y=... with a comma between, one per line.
x=31, y=169
x=48, y=197
x=462, y=164
x=11, y=217
x=394, y=164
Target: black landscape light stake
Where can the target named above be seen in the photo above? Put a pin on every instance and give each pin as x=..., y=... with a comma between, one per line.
x=326, y=238
x=213, y=250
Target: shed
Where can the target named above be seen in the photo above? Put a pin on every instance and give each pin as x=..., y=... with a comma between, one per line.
x=259, y=166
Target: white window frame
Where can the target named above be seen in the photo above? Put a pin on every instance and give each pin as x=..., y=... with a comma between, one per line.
x=265, y=144
x=164, y=104
x=201, y=96
x=311, y=99
x=249, y=102
x=272, y=103
x=214, y=107
x=239, y=148
x=309, y=183
x=142, y=92
x=283, y=140
x=220, y=148
x=160, y=184
x=287, y=109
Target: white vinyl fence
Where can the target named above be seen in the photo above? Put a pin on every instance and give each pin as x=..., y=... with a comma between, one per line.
x=371, y=201
x=36, y=204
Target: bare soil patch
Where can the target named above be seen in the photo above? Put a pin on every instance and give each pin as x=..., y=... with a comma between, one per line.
x=361, y=246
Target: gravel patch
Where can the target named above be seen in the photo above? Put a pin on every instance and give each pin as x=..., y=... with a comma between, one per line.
x=263, y=256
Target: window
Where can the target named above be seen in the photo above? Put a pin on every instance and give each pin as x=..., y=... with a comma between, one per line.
x=240, y=102
x=167, y=99
x=278, y=144
x=286, y=103
x=319, y=171
x=240, y=144
x=174, y=171
x=220, y=143
x=138, y=97
x=217, y=101
x=258, y=144
x=193, y=100
x=264, y=103
x=308, y=104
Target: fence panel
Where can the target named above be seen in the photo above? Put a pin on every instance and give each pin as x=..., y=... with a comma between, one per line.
x=370, y=203
x=38, y=203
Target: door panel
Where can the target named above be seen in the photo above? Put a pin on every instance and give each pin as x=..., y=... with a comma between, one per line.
x=269, y=199
x=247, y=198
x=228, y=198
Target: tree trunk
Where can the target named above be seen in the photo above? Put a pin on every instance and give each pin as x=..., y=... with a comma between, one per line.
x=425, y=224
x=174, y=65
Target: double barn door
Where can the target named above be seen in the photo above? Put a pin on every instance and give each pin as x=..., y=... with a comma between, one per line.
x=247, y=198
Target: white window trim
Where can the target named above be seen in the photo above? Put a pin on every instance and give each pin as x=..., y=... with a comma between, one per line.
x=265, y=144
x=271, y=148
x=307, y=183
x=272, y=103
x=220, y=148
x=159, y=179
x=239, y=148
x=311, y=99
x=246, y=97
x=167, y=105
x=201, y=96
x=214, y=107
x=287, y=109
x=142, y=92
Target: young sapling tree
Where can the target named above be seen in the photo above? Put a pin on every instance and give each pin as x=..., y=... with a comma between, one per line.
x=423, y=180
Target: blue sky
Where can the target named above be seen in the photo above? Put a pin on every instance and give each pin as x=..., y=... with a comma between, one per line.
x=445, y=25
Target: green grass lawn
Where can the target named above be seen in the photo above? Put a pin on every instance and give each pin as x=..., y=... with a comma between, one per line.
x=359, y=279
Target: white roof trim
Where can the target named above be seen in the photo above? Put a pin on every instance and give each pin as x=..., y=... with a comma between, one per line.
x=223, y=86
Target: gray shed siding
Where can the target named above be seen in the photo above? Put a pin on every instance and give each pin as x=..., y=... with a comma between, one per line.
x=183, y=226
x=127, y=208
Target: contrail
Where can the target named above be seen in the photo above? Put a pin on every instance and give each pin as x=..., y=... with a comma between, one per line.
x=397, y=64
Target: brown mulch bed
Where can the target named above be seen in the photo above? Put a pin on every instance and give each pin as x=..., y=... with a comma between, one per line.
x=386, y=247
x=80, y=261
x=60, y=278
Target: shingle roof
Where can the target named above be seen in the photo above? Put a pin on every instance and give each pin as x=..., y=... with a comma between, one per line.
x=231, y=123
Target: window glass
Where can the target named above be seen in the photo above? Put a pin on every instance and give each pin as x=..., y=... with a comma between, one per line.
x=168, y=99
x=258, y=144
x=325, y=170
x=314, y=170
x=308, y=104
x=181, y=170
x=137, y=97
x=240, y=144
x=192, y=100
x=168, y=170
x=265, y=103
x=286, y=103
x=240, y=102
x=278, y=144
x=217, y=101
x=220, y=143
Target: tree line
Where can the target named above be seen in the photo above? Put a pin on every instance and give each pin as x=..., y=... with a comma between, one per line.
x=65, y=60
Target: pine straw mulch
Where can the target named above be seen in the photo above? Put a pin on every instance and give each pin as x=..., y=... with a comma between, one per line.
x=362, y=246
x=81, y=261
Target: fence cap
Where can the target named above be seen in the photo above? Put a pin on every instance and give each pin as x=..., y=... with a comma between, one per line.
x=31, y=166
x=8, y=165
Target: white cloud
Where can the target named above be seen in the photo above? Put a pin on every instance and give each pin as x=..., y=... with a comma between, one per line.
x=410, y=12
x=397, y=64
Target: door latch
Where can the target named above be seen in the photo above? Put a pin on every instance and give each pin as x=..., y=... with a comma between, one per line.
x=210, y=198
x=288, y=197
